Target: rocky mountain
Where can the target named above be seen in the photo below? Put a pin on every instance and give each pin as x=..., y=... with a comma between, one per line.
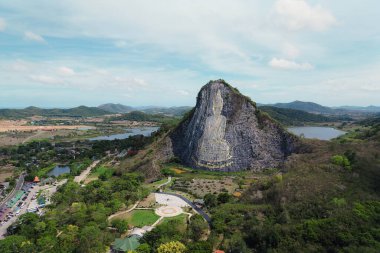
x=227, y=132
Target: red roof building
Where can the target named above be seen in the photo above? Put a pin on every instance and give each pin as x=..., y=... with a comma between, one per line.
x=36, y=179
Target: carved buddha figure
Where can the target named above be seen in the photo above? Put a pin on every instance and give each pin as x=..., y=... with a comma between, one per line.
x=213, y=148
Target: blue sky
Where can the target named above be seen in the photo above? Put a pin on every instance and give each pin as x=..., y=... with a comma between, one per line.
x=69, y=52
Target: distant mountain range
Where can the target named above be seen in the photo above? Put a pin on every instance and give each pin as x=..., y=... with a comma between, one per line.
x=168, y=111
x=286, y=116
x=293, y=113
x=116, y=108
x=320, y=109
x=80, y=111
x=294, y=117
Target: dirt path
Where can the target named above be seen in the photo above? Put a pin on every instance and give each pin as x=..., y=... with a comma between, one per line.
x=86, y=172
x=167, y=182
x=126, y=211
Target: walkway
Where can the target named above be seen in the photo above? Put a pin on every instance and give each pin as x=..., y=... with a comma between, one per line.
x=126, y=211
x=197, y=209
x=167, y=182
x=84, y=174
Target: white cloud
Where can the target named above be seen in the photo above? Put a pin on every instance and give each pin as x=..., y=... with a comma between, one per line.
x=33, y=37
x=45, y=79
x=298, y=14
x=66, y=71
x=289, y=65
x=2, y=24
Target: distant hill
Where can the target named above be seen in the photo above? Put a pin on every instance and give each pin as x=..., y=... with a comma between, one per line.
x=116, y=108
x=169, y=111
x=142, y=116
x=320, y=109
x=370, y=108
x=173, y=111
x=294, y=117
x=80, y=111
x=306, y=106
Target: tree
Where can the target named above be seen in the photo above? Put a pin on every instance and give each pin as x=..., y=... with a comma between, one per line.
x=171, y=247
x=68, y=239
x=15, y=243
x=120, y=225
x=341, y=160
x=197, y=227
x=210, y=200
x=143, y=248
x=91, y=240
x=224, y=197
x=237, y=244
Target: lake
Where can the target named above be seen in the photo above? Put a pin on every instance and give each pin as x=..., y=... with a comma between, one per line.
x=321, y=133
x=146, y=131
x=59, y=170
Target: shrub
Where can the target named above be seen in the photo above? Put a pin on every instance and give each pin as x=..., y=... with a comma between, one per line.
x=341, y=160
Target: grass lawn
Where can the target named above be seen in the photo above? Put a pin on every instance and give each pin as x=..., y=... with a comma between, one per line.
x=181, y=218
x=140, y=218
x=153, y=186
x=100, y=170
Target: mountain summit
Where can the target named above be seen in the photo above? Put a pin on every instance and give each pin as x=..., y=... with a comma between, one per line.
x=226, y=132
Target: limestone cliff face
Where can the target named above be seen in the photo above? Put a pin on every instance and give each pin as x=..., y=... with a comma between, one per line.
x=226, y=132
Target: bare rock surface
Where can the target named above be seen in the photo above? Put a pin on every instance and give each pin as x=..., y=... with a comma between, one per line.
x=226, y=132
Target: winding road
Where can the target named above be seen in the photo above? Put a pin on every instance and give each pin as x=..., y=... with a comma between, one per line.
x=197, y=209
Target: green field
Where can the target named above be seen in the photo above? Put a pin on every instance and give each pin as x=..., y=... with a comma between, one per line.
x=181, y=218
x=99, y=172
x=140, y=218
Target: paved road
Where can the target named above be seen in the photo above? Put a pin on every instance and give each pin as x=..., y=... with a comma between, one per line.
x=197, y=209
x=86, y=172
x=18, y=186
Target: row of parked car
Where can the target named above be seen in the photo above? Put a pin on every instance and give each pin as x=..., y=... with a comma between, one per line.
x=7, y=213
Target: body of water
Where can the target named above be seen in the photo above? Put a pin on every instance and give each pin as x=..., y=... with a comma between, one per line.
x=321, y=133
x=146, y=131
x=59, y=170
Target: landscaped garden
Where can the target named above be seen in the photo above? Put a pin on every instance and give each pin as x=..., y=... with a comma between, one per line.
x=139, y=218
x=180, y=218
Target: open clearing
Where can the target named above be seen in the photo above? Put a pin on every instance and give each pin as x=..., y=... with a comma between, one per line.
x=181, y=218
x=148, y=202
x=139, y=218
x=200, y=187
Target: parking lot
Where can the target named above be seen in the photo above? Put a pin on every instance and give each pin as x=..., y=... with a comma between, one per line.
x=26, y=201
